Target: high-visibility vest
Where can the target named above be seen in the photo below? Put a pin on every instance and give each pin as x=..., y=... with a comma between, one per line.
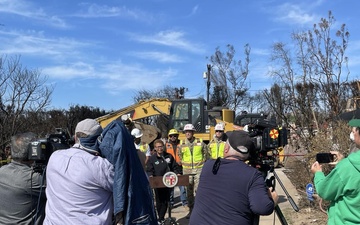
x=192, y=159
x=217, y=149
x=173, y=152
x=144, y=147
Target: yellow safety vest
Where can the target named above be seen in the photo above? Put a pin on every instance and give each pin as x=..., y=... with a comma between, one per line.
x=216, y=149
x=192, y=159
x=143, y=147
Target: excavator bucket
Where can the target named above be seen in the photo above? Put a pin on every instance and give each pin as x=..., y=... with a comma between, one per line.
x=150, y=133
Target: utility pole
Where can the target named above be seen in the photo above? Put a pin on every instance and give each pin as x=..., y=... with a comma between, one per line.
x=208, y=83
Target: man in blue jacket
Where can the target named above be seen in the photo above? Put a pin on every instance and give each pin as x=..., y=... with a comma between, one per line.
x=230, y=191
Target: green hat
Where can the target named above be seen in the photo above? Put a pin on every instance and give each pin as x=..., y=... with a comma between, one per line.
x=354, y=123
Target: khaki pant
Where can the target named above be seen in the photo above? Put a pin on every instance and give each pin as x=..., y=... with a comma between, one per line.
x=191, y=189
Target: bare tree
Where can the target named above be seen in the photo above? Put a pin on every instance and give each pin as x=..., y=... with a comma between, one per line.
x=218, y=97
x=75, y=114
x=328, y=60
x=231, y=75
x=257, y=103
x=23, y=91
x=310, y=75
x=164, y=92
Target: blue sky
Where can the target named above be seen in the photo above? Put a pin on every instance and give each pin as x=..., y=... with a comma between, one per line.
x=99, y=53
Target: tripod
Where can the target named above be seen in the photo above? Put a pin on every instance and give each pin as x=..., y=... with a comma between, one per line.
x=170, y=220
x=270, y=182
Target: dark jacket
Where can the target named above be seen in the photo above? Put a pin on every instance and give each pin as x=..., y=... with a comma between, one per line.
x=158, y=166
x=132, y=193
x=236, y=194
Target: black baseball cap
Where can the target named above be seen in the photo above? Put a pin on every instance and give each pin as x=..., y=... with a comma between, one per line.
x=240, y=141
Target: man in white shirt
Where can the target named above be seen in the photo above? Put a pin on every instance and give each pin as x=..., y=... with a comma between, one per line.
x=79, y=181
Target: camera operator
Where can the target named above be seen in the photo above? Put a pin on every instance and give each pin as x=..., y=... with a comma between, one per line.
x=22, y=190
x=341, y=185
x=230, y=191
x=79, y=181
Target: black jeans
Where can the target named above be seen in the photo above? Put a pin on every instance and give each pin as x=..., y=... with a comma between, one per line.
x=162, y=197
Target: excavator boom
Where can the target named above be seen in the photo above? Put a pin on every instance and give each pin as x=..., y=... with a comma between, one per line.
x=178, y=111
x=140, y=110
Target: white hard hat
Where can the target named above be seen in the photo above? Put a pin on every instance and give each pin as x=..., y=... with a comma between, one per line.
x=136, y=133
x=189, y=126
x=219, y=126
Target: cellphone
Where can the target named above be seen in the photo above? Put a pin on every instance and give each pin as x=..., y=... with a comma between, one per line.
x=324, y=157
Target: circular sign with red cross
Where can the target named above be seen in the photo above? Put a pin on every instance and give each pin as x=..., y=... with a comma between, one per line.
x=274, y=133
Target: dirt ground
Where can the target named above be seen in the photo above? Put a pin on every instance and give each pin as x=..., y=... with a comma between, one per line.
x=309, y=212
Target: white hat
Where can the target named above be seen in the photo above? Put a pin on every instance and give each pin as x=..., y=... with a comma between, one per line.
x=219, y=126
x=89, y=127
x=136, y=133
x=189, y=126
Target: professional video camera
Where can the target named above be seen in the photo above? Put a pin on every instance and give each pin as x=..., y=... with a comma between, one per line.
x=266, y=135
x=41, y=149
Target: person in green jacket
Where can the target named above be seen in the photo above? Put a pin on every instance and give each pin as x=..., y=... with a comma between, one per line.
x=341, y=185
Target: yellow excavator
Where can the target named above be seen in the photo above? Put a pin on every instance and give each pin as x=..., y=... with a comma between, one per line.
x=143, y=109
x=178, y=111
x=268, y=137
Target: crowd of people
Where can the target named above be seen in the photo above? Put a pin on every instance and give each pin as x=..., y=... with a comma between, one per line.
x=189, y=156
x=93, y=182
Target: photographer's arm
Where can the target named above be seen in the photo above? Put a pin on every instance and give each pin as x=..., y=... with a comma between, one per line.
x=337, y=158
x=272, y=193
x=316, y=167
x=328, y=187
x=261, y=201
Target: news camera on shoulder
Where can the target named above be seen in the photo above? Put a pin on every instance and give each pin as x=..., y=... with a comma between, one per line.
x=41, y=149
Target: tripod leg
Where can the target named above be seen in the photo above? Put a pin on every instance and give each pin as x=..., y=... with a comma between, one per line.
x=170, y=220
x=280, y=215
x=290, y=199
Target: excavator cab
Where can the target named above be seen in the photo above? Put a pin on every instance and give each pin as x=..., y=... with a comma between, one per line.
x=184, y=111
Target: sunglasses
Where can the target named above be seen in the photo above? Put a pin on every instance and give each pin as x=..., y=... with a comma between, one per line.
x=219, y=131
x=172, y=136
